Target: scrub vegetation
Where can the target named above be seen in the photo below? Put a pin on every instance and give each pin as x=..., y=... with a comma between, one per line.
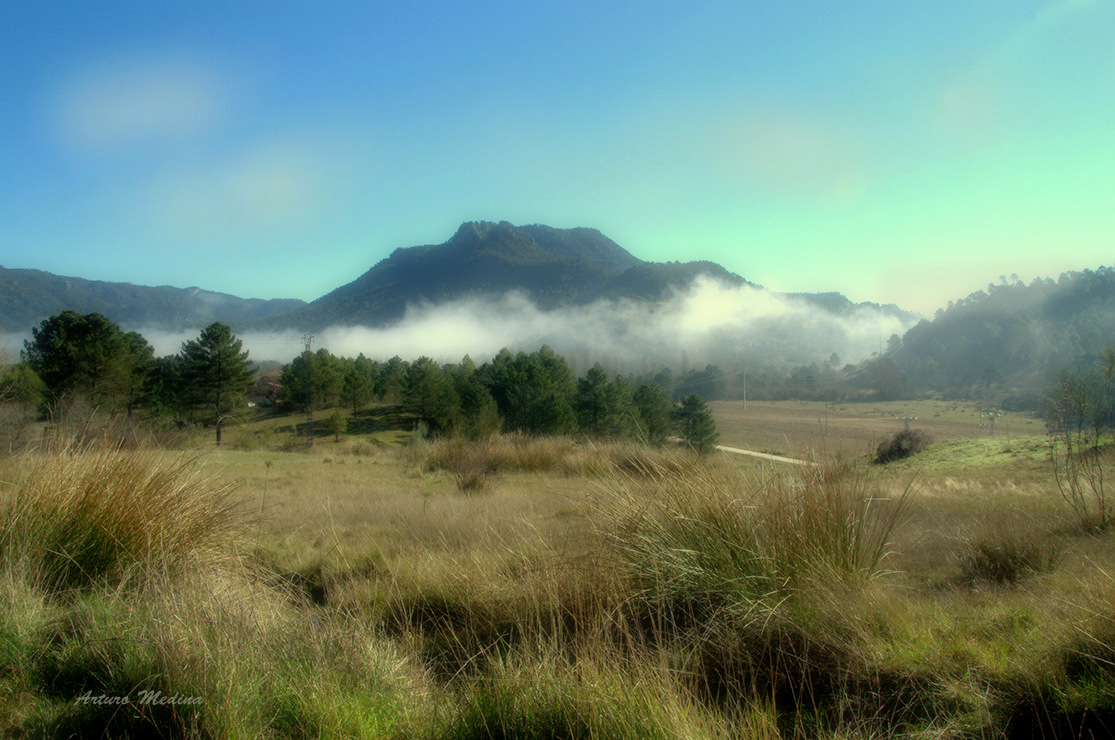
x=512, y=551
x=384, y=584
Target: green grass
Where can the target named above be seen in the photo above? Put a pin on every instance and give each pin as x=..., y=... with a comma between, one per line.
x=1028, y=455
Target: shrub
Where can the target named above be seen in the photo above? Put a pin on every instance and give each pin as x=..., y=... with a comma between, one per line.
x=902, y=445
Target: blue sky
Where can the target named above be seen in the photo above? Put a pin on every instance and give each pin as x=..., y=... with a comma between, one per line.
x=907, y=152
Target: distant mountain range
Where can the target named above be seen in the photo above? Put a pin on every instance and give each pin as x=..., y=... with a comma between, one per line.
x=553, y=267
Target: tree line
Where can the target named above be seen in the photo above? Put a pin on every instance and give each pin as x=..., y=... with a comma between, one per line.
x=532, y=393
x=87, y=358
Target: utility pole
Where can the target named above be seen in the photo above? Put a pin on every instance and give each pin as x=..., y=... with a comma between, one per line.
x=308, y=339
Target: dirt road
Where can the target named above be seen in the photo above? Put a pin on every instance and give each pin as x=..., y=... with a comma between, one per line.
x=764, y=456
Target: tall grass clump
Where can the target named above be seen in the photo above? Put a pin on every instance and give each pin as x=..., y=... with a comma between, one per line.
x=828, y=521
x=710, y=534
x=126, y=610
x=542, y=698
x=1006, y=550
x=753, y=580
x=79, y=518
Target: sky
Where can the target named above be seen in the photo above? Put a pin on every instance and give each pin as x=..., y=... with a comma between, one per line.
x=898, y=152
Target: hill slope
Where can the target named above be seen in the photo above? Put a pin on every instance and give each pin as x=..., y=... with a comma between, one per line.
x=1013, y=337
x=29, y=296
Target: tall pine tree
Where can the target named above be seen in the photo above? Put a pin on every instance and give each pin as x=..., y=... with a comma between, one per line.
x=218, y=374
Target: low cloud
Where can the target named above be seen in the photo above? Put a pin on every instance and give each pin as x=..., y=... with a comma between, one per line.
x=710, y=322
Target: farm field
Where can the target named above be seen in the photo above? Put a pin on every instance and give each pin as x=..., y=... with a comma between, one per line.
x=377, y=586
x=802, y=428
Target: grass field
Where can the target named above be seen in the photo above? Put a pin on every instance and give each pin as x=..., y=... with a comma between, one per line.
x=380, y=587
x=800, y=428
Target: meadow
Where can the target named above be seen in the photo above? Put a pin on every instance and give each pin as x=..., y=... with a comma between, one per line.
x=377, y=585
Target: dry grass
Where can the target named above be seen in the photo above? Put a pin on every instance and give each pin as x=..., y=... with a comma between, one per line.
x=88, y=517
x=853, y=429
x=580, y=591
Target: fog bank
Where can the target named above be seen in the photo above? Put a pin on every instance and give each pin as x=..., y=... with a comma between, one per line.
x=709, y=322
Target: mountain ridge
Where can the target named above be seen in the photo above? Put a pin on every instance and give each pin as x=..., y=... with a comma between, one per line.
x=27, y=296
x=553, y=267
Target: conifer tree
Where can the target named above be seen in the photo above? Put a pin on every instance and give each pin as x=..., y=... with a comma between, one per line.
x=654, y=407
x=218, y=374
x=696, y=425
x=88, y=355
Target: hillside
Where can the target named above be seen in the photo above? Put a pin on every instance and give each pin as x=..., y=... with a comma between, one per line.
x=29, y=296
x=1013, y=338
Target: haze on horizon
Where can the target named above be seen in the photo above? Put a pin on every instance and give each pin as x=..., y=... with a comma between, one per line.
x=898, y=153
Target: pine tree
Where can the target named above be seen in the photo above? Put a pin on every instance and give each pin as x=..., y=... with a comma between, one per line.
x=653, y=406
x=357, y=388
x=695, y=424
x=218, y=374
x=88, y=356
x=428, y=393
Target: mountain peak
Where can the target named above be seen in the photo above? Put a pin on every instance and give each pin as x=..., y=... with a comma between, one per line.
x=537, y=244
x=472, y=231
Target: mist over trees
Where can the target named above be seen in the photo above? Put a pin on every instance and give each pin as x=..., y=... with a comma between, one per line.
x=1013, y=337
x=1004, y=346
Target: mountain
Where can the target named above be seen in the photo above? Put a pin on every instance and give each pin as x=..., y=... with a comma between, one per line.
x=554, y=267
x=838, y=304
x=29, y=296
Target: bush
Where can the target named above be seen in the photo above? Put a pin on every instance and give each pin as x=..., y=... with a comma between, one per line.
x=902, y=445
